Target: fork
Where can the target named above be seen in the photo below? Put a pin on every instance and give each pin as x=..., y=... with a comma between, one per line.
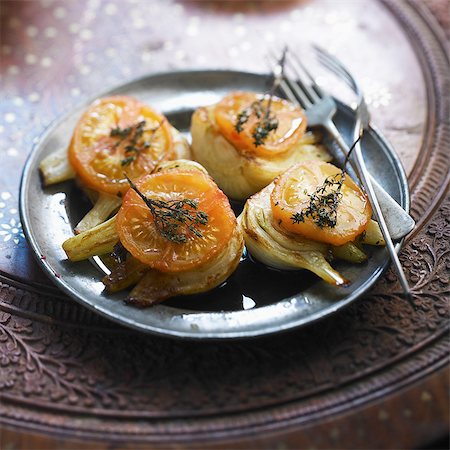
x=320, y=108
x=361, y=125
x=312, y=98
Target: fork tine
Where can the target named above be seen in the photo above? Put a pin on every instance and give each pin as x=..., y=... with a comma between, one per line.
x=330, y=57
x=308, y=91
x=333, y=64
x=336, y=67
x=302, y=91
x=340, y=74
x=290, y=89
x=300, y=95
x=289, y=93
x=296, y=63
x=300, y=84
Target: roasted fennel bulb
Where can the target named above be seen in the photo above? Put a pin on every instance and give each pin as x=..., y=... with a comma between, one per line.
x=273, y=245
x=240, y=167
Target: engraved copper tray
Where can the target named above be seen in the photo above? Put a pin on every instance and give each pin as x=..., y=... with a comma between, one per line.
x=373, y=375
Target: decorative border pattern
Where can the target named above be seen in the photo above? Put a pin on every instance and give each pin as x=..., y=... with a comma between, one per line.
x=59, y=360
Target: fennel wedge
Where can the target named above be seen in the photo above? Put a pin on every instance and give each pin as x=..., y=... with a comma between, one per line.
x=178, y=231
x=239, y=168
x=281, y=249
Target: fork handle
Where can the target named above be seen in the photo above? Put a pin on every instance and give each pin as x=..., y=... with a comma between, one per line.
x=398, y=221
x=380, y=218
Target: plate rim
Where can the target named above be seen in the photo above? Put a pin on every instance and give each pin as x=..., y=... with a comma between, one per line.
x=196, y=335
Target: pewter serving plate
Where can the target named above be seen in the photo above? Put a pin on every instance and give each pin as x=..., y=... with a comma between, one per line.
x=255, y=300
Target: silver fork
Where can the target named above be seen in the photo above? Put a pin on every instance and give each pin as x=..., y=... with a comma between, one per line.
x=362, y=124
x=320, y=109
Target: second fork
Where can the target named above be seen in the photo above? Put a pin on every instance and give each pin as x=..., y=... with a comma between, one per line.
x=320, y=109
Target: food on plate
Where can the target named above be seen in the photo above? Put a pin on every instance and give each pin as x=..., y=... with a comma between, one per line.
x=181, y=164
x=310, y=212
x=320, y=202
x=247, y=139
x=114, y=136
x=176, y=234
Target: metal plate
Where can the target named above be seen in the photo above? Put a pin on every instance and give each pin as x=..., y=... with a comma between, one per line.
x=255, y=300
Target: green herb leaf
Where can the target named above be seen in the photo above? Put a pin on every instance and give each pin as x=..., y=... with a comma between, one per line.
x=133, y=134
x=242, y=119
x=267, y=121
x=323, y=203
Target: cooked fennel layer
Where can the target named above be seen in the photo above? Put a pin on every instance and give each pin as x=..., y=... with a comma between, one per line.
x=55, y=168
x=283, y=250
x=240, y=174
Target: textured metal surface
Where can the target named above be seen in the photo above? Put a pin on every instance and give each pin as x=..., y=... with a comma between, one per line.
x=66, y=371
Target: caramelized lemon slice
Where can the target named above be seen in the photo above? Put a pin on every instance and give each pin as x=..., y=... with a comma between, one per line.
x=143, y=239
x=290, y=120
x=115, y=135
x=292, y=195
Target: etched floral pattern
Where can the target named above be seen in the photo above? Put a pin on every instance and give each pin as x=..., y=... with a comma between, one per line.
x=11, y=230
x=10, y=226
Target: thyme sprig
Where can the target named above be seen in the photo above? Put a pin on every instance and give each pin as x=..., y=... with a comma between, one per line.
x=135, y=144
x=267, y=120
x=169, y=216
x=121, y=133
x=264, y=127
x=242, y=118
x=324, y=201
